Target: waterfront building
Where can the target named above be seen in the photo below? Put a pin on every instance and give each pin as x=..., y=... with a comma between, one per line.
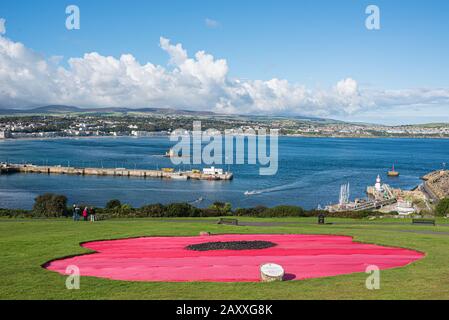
x=405, y=208
x=5, y=134
x=136, y=133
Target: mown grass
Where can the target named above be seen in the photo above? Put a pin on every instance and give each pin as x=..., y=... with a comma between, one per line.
x=27, y=244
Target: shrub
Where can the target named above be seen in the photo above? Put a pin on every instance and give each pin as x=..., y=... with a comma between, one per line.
x=211, y=212
x=13, y=213
x=221, y=208
x=279, y=211
x=113, y=204
x=250, y=212
x=219, y=204
x=442, y=208
x=314, y=213
x=126, y=207
x=283, y=211
x=181, y=210
x=343, y=214
x=50, y=205
x=153, y=210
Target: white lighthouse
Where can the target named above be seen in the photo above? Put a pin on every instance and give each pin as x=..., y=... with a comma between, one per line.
x=378, y=185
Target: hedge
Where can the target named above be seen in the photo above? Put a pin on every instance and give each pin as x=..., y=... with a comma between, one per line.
x=51, y=205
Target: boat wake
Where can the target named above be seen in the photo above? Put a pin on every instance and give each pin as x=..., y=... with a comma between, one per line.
x=311, y=180
x=199, y=200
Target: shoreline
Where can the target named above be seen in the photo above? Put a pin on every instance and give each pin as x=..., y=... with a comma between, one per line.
x=167, y=136
x=76, y=138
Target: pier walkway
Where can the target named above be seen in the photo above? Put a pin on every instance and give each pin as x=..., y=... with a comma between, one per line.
x=374, y=204
x=378, y=203
x=378, y=200
x=117, y=172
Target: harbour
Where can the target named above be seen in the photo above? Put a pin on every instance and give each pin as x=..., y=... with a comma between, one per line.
x=384, y=198
x=379, y=196
x=311, y=171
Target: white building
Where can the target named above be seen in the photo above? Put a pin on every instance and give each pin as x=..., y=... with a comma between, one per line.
x=405, y=208
x=378, y=185
x=136, y=133
x=212, y=170
x=4, y=134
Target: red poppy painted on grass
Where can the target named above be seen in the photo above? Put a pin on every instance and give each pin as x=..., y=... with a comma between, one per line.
x=170, y=259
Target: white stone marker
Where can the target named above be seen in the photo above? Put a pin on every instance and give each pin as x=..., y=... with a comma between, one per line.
x=271, y=272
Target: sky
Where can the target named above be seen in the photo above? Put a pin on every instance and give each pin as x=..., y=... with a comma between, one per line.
x=311, y=58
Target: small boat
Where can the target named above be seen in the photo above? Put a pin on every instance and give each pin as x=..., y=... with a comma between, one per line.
x=172, y=154
x=169, y=154
x=393, y=173
x=179, y=176
x=200, y=199
x=250, y=193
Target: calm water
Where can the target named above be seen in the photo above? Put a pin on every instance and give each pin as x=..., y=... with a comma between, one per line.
x=310, y=171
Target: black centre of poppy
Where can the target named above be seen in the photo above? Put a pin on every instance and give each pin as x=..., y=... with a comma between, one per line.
x=231, y=245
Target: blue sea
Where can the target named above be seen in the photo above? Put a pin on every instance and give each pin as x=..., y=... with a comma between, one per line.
x=310, y=173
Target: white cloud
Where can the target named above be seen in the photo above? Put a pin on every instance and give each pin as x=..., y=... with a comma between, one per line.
x=200, y=82
x=177, y=54
x=211, y=23
x=347, y=87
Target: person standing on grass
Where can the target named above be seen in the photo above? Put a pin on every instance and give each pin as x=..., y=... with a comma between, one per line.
x=92, y=214
x=85, y=214
x=74, y=212
x=77, y=213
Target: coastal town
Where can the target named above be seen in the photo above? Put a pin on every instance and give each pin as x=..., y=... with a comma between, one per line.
x=14, y=126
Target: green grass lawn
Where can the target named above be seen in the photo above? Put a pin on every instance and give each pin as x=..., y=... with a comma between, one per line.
x=27, y=244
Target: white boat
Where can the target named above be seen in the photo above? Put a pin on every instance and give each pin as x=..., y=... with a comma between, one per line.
x=250, y=193
x=212, y=171
x=178, y=177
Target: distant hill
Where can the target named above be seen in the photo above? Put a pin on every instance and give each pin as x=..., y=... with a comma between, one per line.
x=60, y=109
x=53, y=109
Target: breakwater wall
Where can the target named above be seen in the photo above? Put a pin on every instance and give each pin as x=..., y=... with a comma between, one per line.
x=117, y=172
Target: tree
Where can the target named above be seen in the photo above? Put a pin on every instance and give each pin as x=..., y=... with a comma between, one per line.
x=219, y=205
x=442, y=208
x=182, y=210
x=221, y=208
x=153, y=210
x=50, y=205
x=113, y=204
